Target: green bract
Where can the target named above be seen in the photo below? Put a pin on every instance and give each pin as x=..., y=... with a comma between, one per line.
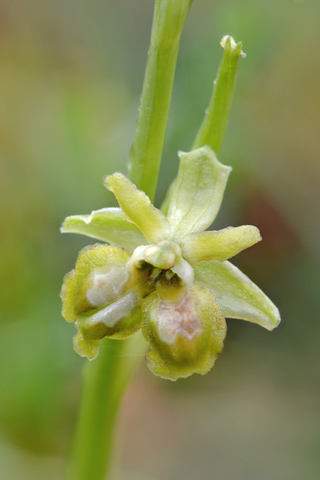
x=164, y=273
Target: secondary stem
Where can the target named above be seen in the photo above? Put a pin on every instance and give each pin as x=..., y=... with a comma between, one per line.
x=214, y=124
x=213, y=127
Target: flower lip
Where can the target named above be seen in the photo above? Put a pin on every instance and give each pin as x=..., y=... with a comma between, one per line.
x=185, y=335
x=107, y=284
x=112, y=313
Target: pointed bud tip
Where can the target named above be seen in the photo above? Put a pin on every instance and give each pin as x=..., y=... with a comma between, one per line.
x=227, y=40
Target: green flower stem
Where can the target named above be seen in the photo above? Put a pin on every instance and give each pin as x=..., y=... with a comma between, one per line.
x=215, y=122
x=106, y=378
x=146, y=151
x=104, y=382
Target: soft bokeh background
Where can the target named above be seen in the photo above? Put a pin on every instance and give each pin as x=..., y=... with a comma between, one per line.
x=70, y=78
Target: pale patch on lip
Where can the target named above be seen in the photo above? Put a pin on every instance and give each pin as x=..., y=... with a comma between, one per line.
x=107, y=285
x=178, y=320
x=113, y=313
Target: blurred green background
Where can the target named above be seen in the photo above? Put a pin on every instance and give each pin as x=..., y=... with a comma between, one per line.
x=70, y=77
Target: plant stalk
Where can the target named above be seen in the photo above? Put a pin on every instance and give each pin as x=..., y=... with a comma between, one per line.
x=106, y=378
x=104, y=382
x=146, y=150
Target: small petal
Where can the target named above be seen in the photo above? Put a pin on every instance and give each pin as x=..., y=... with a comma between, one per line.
x=100, y=277
x=109, y=225
x=185, y=337
x=238, y=296
x=197, y=192
x=218, y=245
x=138, y=208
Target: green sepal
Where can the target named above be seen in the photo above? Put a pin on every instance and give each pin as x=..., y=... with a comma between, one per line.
x=109, y=225
x=197, y=192
x=185, y=337
x=99, y=277
x=137, y=207
x=218, y=245
x=238, y=296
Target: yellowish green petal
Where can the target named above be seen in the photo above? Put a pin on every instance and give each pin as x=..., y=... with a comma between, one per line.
x=109, y=225
x=100, y=277
x=218, y=245
x=197, y=192
x=238, y=296
x=185, y=337
x=137, y=207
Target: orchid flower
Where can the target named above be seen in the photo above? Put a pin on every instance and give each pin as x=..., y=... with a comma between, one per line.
x=164, y=274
